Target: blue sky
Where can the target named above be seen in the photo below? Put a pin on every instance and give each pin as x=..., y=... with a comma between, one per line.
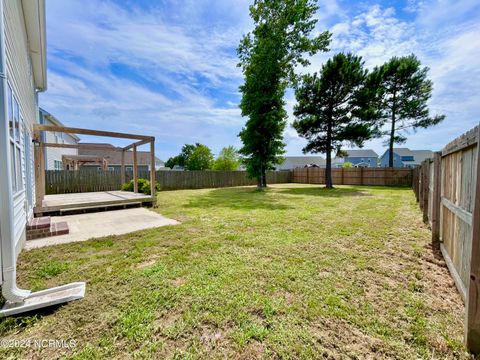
x=168, y=67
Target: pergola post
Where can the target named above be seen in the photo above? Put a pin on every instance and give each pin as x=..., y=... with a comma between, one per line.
x=122, y=168
x=135, y=170
x=39, y=155
x=152, y=171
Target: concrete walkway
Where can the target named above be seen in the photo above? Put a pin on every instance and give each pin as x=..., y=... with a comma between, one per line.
x=94, y=225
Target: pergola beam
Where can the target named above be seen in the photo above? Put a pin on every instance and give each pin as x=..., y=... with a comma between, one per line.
x=82, y=146
x=69, y=130
x=137, y=144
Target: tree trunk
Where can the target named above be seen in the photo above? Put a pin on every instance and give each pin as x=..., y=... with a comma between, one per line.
x=328, y=170
x=392, y=135
x=262, y=178
x=390, y=145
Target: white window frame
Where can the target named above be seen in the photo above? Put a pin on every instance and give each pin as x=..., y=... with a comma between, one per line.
x=15, y=140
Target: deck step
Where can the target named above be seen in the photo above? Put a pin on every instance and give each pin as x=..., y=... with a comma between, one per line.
x=98, y=207
x=43, y=227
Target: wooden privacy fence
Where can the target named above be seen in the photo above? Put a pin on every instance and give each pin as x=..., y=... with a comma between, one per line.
x=447, y=188
x=64, y=181
x=171, y=180
x=356, y=176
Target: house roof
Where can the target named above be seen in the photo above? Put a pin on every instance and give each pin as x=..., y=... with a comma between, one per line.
x=402, y=151
x=300, y=161
x=361, y=153
x=418, y=155
x=114, y=157
x=34, y=15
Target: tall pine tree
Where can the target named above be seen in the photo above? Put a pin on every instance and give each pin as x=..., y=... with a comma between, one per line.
x=397, y=93
x=268, y=57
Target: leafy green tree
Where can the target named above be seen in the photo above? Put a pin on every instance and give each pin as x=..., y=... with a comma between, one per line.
x=326, y=108
x=397, y=94
x=268, y=57
x=201, y=158
x=181, y=159
x=227, y=160
x=347, y=165
x=175, y=160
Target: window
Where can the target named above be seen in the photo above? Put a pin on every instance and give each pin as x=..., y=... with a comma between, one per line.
x=15, y=138
x=10, y=111
x=57, y=165
x=407, y=158
x=111, y=169
x=128, y=168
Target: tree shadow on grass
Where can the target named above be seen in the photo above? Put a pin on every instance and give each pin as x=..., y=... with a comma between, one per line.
x=239, y=198
x=324, y=192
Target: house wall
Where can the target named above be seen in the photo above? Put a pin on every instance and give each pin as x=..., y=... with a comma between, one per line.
x=397, y=161
x=20, y=79
x=372, y=161
x=55, y=154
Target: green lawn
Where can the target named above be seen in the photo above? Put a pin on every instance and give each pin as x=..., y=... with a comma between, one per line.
x=295, y=271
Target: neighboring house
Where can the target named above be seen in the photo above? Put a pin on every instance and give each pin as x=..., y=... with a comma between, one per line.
x=22, y=76
x=404, y=157
x=294, y=162
x=114, y=158
x=337, y=162
x=54, y=156
x=362, y=157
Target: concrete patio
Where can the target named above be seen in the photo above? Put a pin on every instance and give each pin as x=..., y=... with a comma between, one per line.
x=94, y=225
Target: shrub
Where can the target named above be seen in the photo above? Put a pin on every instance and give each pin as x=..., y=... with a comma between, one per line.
x=143, y=186
x=128, y=186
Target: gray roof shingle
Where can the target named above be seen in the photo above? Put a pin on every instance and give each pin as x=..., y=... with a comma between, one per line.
x=361, y=153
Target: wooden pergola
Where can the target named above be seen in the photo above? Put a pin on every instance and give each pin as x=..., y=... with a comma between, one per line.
x=75, y=162
x=40, y=154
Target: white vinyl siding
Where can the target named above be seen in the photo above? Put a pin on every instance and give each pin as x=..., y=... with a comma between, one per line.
x=20, y=79
x=55, y=155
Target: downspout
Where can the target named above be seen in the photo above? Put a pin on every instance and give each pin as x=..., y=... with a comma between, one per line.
x=10, y=290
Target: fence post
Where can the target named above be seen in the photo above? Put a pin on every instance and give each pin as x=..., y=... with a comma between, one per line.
x=472, y=309
x=361, y=175
x=426, y=189
x=342, y=176
x=436, y=198
x=308, y=175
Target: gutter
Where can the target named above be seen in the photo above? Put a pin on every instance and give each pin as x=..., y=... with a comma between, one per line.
x=10, y=290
